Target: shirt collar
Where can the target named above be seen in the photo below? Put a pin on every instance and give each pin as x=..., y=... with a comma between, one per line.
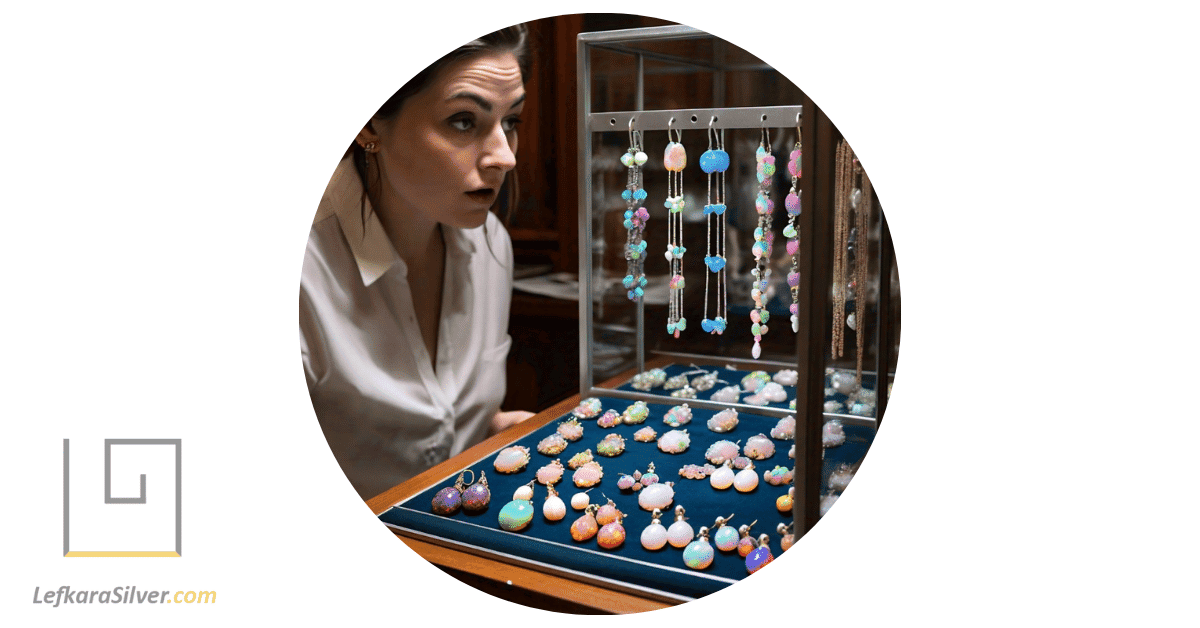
x=373, y=251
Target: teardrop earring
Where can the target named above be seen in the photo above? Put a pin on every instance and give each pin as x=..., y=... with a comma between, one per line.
x=553, y=508
x=585, y=527
x=786, y=538
x=654, y=537
x=746, y=543
x=478, y=496
x=699, y=553
x=680, y=533
x=516, y=514
x=612, y=534
x=761, y=555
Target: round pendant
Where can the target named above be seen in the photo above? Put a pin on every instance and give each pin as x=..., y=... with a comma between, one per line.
x=512, y=459
x=721, y=451
x=608, y=513
x=552, y=445
x=657, y=495
x=698, y=554
x=515, y=515
x=758, y=559
x=785, y=429
x=553, y=509
x=759, y=447
x=645, y=435
x=746, y=480
x=786, y=377
x=588, y=475
x=674, y=442
x=570, y=430
x=745, y=546
x=680, y=534
x=579, y=501
x=723, y=421
x=654, y=536
x=587, y=409
x=612, y=445
x=585, y=527
x=726, y=539
x=677, y=416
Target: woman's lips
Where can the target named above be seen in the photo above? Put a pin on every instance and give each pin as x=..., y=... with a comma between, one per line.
x=484, y=195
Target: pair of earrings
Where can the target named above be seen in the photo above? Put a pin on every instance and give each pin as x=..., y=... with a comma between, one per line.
x=635, y=219
x=699, y=553
x=602, y=522
x=473, y=499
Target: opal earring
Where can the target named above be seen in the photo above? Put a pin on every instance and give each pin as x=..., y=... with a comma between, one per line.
x=588, y=408
x=722, y=478
x=786, y=538
x=784, y=503
x=580, y=501
x=699, y=553
x=570, y=429
x=550, y=473
x=478, y=496
x=745, y=543
x=611, y=534
x=553, y=508
x=645, y=435
x=635, y=219
x=746, y=480
x=516, y=514
x=449, y=500
x=761, y=555
x=654, y=537
x=674, y=160
x=585, y=527
x=511, y=459
x=680, y=533
x=763, y=237
x=678, y=416
x=525, y=492
x=725, y=536
x=649, y=477
x=715, y=161
x=674, y=442
x=608, y=513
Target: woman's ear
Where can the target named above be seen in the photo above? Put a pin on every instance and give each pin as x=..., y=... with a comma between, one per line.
x=367, y=135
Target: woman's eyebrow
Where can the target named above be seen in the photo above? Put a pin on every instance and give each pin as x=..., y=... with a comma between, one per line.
x=483, y=102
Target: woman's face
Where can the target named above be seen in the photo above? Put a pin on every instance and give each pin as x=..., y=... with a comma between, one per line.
x=443, y=157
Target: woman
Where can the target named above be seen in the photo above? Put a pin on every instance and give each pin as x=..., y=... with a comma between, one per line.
x=407, y=278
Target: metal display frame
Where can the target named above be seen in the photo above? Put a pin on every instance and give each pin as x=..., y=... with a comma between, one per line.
x=815, y=228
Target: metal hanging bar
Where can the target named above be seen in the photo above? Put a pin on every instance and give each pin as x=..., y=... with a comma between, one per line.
x=727, y=118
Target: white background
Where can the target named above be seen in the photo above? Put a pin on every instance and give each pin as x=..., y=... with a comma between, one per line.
x=1035, y=160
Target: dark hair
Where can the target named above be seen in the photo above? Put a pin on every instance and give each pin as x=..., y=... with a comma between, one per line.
x=514, y=39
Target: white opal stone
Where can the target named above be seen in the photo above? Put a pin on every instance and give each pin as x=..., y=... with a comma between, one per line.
x=728, y=394
x=680, y=534
x=745, y=481
x=579, y=501
x=795, y=324
x=773, y=392
x=786, y=377
x=756, y=351
x=641, y=158
x=722, y=478
x=658, y=495
x=852, y=322
x=554, y=509
x=524, y=492
x=654, y=536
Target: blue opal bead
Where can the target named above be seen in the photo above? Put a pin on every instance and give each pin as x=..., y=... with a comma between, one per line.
x=726, y=538
x=516, y=515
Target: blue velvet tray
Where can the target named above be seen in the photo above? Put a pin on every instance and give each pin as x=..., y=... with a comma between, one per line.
x=661, y=571
x=734, y=377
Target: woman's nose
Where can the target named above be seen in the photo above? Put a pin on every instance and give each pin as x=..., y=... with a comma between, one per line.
x=498, y=152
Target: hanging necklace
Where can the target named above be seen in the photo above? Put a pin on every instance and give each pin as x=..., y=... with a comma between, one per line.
x=635, y=220
x=674, y=159
x=843, y=190
x=792, y=204
x=715, y=162
x=763, y=237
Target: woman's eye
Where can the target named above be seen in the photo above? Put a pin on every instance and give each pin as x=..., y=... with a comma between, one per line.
x=462, y=124
x=510, y=124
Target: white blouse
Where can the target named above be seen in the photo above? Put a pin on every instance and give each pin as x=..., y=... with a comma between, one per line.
x=386, y=413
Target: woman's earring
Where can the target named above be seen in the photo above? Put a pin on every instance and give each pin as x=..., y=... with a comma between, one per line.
x=763, y=237
x=517, y=514
x=448, y=500
x=612, y=534
x=761, y=555
x=699, y=553
x=654, y=537
x=635, y=219
x=714, y=161
x=478, y=496
x=674, y=160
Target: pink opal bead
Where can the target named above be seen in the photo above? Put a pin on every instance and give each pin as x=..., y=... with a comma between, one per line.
x=793, y=247
x=792, y=203
x=675, y=157
x=793, y=280
x=754, y=316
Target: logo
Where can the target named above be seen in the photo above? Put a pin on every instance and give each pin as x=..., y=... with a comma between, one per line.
x=133, y=509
